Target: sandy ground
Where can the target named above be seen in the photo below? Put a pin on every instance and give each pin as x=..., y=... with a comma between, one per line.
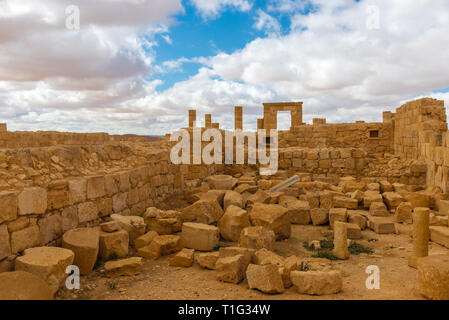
x=158, y=280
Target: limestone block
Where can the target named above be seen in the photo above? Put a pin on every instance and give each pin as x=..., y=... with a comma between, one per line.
x=183, y=258
x=399, y=187
x=163, y=221
x=374, y=186
x=319, y=216
x=105, y=207
x=110, y=226
x=351, y=186
x=344, y=202
x=353, y=231
x=385, y=186
x=371, y=197
x=381, y=225
x=326, y=200
x=207, y=260
x=113, y=245
x=110, y=185
x=264, y=256
x=233, y=198
x=433, y=276
x=24, y=239
x=120, y=202
x=298, y=212
x=20, y=285
x=248, y=254
x=9, y=205
x=220, y=182
x=265, y=278
x=161, y=246
x=95, y=187
x=230, y=269
x=358, y=195
x=392, y=200
x=355, y=217
x=84, y=242
x=403, y=213
x=273, y=217
x=259, y=197
x=202, y=211
x=317, y=282
x=257, y=238
x=337, y=214
x=292, y=263
x=145, y=240
x=47, y=263
x=233, y=222
x=87, y=211
x=340, y=241
x=77, y=191
x=440, y=235
x=378, y=209
x=5, y=247
x=123, y=267
x=416, y=199
x=50, y=228
x=134, y=225
x=57, y=195
x=313, y=198
x=32, y=201
x=69, y=218
x=199, y=236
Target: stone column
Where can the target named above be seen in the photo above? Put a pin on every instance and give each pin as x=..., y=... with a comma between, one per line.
x=3, y=127
x=420, y=235
x=192, y=118
x=238, y=118
x=340, y=240
x=208, y=121
x=216, y=125
x=259, y=124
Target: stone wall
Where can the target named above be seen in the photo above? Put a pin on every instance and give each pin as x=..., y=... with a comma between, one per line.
x=420, y=132
x=124, y=179
x=372, y=137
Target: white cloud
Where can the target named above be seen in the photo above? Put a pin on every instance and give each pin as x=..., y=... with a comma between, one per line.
x=212, y=8
x=95, y=79
x=267, y=23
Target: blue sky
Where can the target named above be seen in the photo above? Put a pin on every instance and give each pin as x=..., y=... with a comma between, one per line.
x=193, y=36
x=138, y=66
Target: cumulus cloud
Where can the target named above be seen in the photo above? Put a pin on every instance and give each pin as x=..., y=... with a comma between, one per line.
x=97, y=79
x=212, y=8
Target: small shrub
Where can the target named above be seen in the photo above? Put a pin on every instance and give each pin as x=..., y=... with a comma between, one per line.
x=304, y=266
x=325, y=254
x=307, y=247
x=357, y=248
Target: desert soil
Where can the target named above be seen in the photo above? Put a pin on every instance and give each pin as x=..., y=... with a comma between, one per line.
x=158, y=280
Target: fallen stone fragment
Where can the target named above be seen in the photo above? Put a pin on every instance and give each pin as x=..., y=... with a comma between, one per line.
x=134, y=225
x=317, y=282
x=233, y=198
x=264, y=256
x=378, y=209
x=207, y=260
x=299, y=212
x=162, y=222
x=113, y=244
x=337, y=214
x=47, y=263
x=273, y=217
x=145, y=240
x=110, y=226
x=161, y=246
x=85, y=243
x=340, y=241
x=203, y=211
x=220, y=182
x=403, y=213
x=319, y=216
x=230, y=269
x=20, y=285
x=123, y=267
x=183, y=258
x=265, y=278
x=248, y=254
x=200, y=236
x=257, y=238
x=433, y=276
x=233, y=222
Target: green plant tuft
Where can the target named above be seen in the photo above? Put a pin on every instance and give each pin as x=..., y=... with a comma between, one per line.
x=325, y=254
x=357, y=248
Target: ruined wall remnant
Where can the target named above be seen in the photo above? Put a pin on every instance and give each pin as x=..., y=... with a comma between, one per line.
x=270, y=111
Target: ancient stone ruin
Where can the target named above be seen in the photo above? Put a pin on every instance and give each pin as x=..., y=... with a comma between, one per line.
x=354, y=211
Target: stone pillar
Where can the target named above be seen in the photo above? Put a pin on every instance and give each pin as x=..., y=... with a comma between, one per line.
x=3, y=127
x=216, y=125
x=318, y=121
x=238, y=118
x=260, y=124
x=207, y=120
x=340, y=240
x=387, y=116
x=192, y=118
x=420, y=235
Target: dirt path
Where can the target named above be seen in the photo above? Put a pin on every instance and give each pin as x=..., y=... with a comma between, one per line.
x=160, y=281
